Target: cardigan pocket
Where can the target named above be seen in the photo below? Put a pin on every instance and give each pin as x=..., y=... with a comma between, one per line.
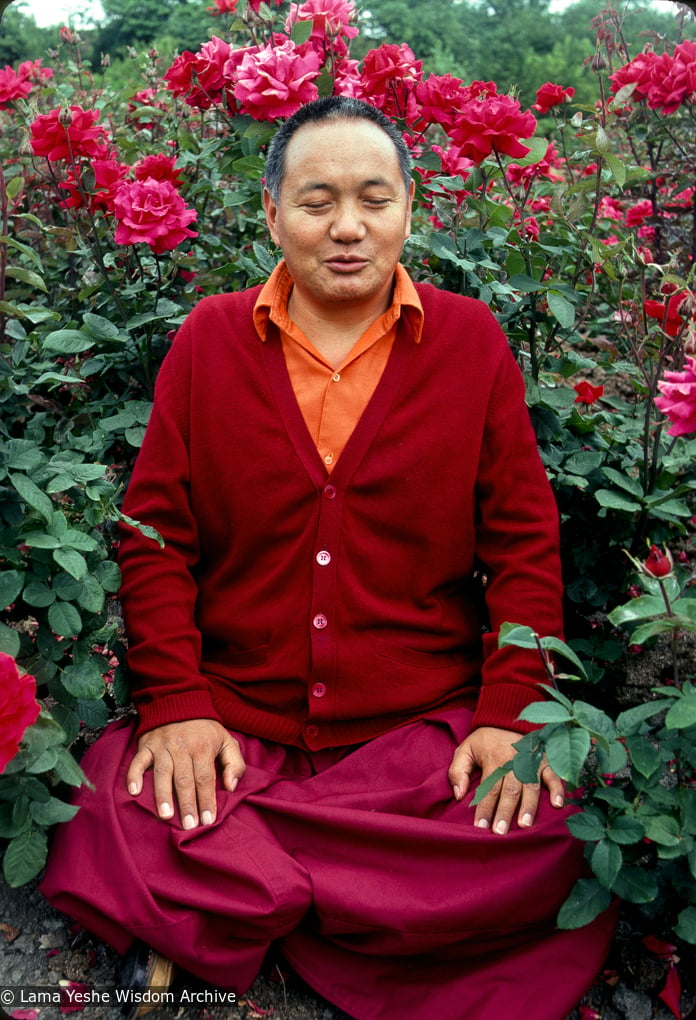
x=423, y=660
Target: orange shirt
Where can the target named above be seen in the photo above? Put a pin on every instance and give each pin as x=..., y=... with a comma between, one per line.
x=332, y=399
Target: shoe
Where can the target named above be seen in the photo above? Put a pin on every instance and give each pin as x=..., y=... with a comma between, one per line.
x=145, y=975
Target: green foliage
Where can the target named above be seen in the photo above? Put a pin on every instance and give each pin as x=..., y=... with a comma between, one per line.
x=634, y=775
x=28, y=807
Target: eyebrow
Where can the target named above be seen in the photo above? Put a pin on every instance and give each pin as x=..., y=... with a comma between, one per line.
x=373, y=182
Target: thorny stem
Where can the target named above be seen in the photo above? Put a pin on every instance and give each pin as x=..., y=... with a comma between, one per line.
x=675, y=632
x=4, y=229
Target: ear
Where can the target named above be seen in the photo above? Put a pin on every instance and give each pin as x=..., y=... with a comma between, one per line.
x=271, y=210
x=411, y=193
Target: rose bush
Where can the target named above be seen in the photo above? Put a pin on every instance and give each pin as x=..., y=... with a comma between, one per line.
x=575, y=224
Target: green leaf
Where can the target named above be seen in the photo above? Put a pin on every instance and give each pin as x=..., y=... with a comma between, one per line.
x=594, y=721
x=611, y=757
x=617, y=168
x=685, y=927
x=83, y=680
x=566, y=751
x=587, y=827
x=645, y=756
x=14, y=817
x=11, y=584
x=606, y=860
x=52, y=812
x=545, y=712
x=24, y=857
x=662, y=829
x=487, y=785
x=583, y=463
x=108, y=574
x=615, y=501
x=642, y=608
x=561, y=308
x=27, y=276
x=67, y=341
x=64, y=619
x=587, y=900
x=629, y=722
x=682, y=714
x=71, y=561
x=10, y=641
x=301, y=31
x=68, y=770
x=625, y=830
x=636, y=885
x=32, y=494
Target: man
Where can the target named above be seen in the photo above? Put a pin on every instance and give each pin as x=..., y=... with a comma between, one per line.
x=330, y=460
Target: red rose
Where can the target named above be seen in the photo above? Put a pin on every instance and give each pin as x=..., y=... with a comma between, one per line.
x=19, y=708
x=389, y=78
x=587, y=393
x=67, y=133
x=160, y=167
x=493, y=123
x=550, y=95
x=668, y=314
x=152, y=212
x=658, y=563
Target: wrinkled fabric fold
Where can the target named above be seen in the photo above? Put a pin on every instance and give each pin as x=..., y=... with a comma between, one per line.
x=356, y=863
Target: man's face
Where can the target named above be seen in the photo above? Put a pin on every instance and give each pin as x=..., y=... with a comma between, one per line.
x=343, y=216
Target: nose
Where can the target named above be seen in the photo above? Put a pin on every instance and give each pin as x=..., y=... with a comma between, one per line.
x=348, y=224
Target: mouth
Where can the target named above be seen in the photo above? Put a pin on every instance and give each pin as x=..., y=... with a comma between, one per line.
x=346, y=263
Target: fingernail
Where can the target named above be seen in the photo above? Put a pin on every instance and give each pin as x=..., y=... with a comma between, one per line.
x=526, y=820
x=133, y=788
x=482, y=823
x=233, y=785
x=165, y=810
x=558, y=800
x=457, y=792
x=189, y=822
x=501, y=827
x=207, y=818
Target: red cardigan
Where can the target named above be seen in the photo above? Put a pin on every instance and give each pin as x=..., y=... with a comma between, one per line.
x=324, y=610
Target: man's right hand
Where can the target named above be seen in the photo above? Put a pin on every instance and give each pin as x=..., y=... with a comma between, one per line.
x=183, y=757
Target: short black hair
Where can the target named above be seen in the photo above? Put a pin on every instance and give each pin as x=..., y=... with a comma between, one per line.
x=330, y=108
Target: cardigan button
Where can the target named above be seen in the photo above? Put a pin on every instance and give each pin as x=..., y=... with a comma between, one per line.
x=312, y=731
x=320, y=621
x=319, y=690
x=323, y=558
x=330, y=491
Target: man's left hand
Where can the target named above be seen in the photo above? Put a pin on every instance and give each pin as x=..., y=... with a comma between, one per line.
x=486, y=749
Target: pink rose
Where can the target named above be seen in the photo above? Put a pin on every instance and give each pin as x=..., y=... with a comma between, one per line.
x=12, y=87
x=276, y=80
x=330, y=18
x=550, y=95
x=19, y=708
x=441, y=98
x=152, y=212
x=678, y=399
x=67, y=133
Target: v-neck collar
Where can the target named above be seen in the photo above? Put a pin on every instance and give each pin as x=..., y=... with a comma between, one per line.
x=369, y=422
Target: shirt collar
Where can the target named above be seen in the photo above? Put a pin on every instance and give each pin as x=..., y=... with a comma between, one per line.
x=272, y=302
